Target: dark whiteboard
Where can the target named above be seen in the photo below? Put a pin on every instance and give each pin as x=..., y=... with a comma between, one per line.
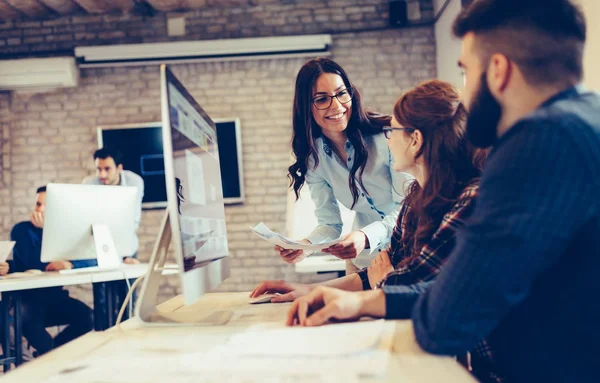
x=142, y=148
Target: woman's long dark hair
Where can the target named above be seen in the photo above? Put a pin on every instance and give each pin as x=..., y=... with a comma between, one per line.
x=306, y=130
x=452, y=163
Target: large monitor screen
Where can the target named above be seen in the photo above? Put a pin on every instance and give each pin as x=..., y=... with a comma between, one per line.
x=193, y=178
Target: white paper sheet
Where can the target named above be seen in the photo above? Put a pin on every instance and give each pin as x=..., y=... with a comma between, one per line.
x=270, y=236
x=323, y=341
x=360, y=349
x=5, y=249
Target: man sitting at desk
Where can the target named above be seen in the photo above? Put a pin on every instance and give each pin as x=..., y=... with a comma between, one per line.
x=51, y=306
x=109, y=171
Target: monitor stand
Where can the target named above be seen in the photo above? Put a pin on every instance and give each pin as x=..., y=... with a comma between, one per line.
x=147, y=309
x=106, y=251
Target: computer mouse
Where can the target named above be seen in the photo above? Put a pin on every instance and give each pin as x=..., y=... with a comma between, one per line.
x=265, y=298
x=34, y=271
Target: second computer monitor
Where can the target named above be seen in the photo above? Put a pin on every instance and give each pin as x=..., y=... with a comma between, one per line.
x=194, y=189
x=73, y=210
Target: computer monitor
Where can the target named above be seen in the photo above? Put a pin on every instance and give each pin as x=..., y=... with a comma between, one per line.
x=195, y=208
x=89, y=221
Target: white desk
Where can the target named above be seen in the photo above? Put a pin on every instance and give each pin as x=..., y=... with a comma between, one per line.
x=321, y=264
x=55, y=279
x=408, y=363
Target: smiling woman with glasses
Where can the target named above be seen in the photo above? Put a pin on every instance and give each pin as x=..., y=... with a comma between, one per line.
x=341, y=153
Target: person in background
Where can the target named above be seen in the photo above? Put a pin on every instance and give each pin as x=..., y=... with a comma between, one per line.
x=51, y=306
x=109, y=171
x=524, y=272
x=342, y=154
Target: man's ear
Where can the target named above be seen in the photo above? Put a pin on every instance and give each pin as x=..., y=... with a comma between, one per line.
x=499, y=73
x=120, y=167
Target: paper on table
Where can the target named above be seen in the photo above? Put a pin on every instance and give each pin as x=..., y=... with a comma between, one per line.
x=5, y=249
x=361, y=348
x=270, y=236
x=325, y=341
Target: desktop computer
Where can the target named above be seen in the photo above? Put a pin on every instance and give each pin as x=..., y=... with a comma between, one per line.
x=89, y=221
x=195, y=216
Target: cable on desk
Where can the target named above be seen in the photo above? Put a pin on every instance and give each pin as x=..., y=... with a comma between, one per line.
x=128, y=298
x=129, y=294
x=128, y=288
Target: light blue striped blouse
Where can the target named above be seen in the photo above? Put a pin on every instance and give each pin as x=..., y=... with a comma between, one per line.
x=377, y=207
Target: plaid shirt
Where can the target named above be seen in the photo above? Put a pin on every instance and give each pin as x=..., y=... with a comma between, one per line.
x=434, y=254
x=430, y=262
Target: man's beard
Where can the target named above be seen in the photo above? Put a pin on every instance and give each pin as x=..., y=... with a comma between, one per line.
x=484, y=116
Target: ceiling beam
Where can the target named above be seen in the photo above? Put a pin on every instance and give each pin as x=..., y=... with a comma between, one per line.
x=166, y=5
x=62, y=7
x=176, y=5
x=8, y=12
x=230, y=3
x=93, y=6
x=102, y=6
x=195, y=4
x=123, y=5
x=32, y=8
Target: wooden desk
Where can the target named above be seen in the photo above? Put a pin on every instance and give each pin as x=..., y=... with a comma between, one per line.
x=409, y=362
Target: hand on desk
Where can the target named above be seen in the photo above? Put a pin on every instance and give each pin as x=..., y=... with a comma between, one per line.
x=350, y=247
x=325, y=303
x=4, y=268
x=379, y=268
x=289, y=291
x=130, y=261
x=59, y=265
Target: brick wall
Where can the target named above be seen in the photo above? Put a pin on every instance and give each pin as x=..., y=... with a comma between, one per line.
x=277, y=18
x=50, y=137
x=5, y=164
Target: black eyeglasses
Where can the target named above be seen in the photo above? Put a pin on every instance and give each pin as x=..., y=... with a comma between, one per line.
x=387, y=131
x=323, y=102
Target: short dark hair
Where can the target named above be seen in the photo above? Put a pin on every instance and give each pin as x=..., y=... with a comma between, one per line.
x=113, y=153
x=41, y=189
x=544, y=38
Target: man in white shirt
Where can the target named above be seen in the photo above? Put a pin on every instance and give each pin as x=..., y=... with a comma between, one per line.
x=109, y=171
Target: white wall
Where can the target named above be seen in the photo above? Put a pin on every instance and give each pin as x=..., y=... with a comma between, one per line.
x=303, y=220
x=592, y=53
x=447, y=46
